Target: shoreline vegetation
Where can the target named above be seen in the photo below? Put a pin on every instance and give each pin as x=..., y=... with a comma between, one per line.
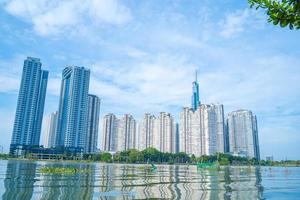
x=152, y=155
x=62, y=170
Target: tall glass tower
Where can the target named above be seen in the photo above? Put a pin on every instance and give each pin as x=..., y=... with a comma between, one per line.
x=92, y=123
x=195, y=96
x=30, y=106
x=73, y=108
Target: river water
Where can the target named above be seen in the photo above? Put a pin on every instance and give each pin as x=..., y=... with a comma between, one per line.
x=23, y=180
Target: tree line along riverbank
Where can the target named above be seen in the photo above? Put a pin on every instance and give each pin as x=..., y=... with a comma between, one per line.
x=152, y=155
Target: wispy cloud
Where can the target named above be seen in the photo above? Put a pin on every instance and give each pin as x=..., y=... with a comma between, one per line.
x=159, y=83
x=54, y=17
x=240, y=21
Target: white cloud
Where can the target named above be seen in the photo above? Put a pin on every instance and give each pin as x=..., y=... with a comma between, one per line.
x=165, y=80
x=53, y=86
x=10, y=79
x=9, y=83
x=109, y=11
x=54, y=17
x=238, y=21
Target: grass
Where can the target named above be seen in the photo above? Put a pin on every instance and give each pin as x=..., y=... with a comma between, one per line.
x=62, y=170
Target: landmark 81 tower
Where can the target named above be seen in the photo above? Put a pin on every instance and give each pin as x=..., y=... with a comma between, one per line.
x=195, y=96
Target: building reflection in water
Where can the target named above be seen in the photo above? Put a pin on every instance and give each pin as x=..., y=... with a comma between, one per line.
x=24, y=181
x=243, y=183
x=185, y=182
x=115, y=181
x=69, y=186
x=19, y=180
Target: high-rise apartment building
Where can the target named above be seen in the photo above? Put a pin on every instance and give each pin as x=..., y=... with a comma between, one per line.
x=243, y=134
x=73, y=108
x=164, y=133
x=146, y=131
x=185, y=131
x=30, y=106
x=177, y=139
x=109, y=132
x=202, y=131
x=126, y=134
x=92, y=123
x=119, y=134
x=51, y=130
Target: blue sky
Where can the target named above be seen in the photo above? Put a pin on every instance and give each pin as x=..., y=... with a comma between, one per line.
x=143, y=54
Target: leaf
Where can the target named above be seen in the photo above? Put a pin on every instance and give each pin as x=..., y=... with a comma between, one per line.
x=275, y=21
x=283, y=23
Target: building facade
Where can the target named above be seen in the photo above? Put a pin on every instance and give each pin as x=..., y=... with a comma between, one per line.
x=164, y=133
x=243, y=134
x=51, y=130
x=126, y=133
x=30, y=106
x=177, y=138
x=146, y=131
x=202, y=131
x=109, y=132
x=73, y=108
x=92, y=123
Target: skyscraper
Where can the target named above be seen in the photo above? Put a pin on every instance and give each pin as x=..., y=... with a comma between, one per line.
x=202, y=131
x=51, y=130
x=109, y=132
x=146, y=131
x=195, y=97
x=243, y=134
x=164, y=133
x=220, y=127
x=73, y=108
x=30, y=106
x=126, y=135
x=185, y=130
x=176, y=139
x=92, y=123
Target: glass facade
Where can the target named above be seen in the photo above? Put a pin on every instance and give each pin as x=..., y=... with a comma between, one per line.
x=30, y=105
x=73, y=108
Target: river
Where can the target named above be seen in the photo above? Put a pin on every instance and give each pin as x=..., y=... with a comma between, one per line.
x=23, y=180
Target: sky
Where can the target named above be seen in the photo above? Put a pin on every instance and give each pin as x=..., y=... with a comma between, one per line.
x=143, y=56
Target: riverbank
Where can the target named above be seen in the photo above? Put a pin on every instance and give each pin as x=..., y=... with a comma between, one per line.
x=156, y=163
x=151, y=155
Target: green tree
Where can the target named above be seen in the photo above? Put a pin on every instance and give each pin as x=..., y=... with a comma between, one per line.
x=134, y=156
x=280, y=12
x=224, y=161
x=106, y=157
x=151, y=154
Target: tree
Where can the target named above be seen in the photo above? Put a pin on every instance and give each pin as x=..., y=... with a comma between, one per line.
x=151, y=154
x=282, y=12
x=106, y=157
x=134, y=156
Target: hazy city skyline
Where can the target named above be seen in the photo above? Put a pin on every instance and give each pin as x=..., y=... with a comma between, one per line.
x=139, y=62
